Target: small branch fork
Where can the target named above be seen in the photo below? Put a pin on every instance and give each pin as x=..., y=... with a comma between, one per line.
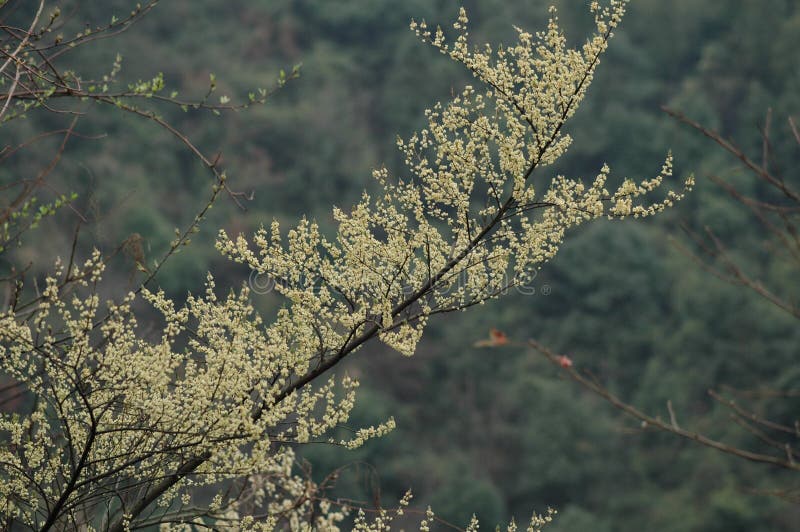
x=779, y=217
x=787, y=461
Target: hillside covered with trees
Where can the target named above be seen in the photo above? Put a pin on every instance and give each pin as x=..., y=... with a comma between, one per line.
x=482, y=426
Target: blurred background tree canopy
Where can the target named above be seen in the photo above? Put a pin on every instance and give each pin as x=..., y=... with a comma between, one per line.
x=621, y=299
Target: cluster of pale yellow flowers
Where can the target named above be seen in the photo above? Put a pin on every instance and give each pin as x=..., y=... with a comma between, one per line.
x=114, y=415
x=132, y=430
x=473, y=208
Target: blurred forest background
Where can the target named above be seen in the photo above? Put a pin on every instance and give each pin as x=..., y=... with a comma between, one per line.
x=494, y=431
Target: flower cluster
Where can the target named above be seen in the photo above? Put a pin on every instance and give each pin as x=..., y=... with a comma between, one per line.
x=475, y=203
x=115, y=410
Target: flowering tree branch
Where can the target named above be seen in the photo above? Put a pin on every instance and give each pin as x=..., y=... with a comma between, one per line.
x=137, y=429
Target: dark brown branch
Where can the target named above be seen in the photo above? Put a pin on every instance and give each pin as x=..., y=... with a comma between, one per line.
x=656, y=422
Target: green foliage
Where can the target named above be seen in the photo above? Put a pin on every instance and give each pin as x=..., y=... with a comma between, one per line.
x=623, y=302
